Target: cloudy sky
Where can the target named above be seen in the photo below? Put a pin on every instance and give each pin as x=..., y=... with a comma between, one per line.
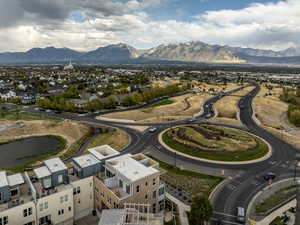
x=88, y=24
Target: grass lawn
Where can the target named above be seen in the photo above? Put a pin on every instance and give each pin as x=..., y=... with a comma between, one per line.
x=193, y=182
x=22, y=115
x=163, y=102
x=227, y=149
x=117, y=139
x=276, y=198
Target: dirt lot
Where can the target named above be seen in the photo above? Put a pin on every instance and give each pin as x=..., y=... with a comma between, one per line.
x=227, y=107
x=117, y=139
x=71, y=131
x=217, y=87
x=184, y=106
x=272, y=113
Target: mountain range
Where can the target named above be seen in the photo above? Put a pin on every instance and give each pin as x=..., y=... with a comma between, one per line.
x=122, y=53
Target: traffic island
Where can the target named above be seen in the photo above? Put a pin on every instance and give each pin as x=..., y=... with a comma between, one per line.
x=215, y=144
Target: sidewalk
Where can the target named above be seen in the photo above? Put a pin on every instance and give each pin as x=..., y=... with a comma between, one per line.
x=182, y=208
x=278, y=212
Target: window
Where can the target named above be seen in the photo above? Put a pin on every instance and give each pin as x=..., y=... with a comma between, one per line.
x=60, y=178
x=146, y=196
x=14, y=192
x=44, y=220
x=146, y=183
x=27, y=212
x=76, y=191
x=154, y=181
x=43, y=206
x=120, y=183
x=128, y=189
x=61, y=199
x=3, y=220
x=138, y=188
x=66, y=198
x=0, y=196
x=154, y=194
x=61, y=212
x=70, y=208
x=154, y=208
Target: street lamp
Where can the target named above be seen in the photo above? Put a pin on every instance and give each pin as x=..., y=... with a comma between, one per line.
x=296, y=165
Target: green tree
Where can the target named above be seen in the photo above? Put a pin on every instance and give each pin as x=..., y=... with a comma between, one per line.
x=201, y=210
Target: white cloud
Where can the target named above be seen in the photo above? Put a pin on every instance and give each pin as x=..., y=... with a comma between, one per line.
x=271, y=25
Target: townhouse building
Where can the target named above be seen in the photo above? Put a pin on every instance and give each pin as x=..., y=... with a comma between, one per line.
x=55, y=194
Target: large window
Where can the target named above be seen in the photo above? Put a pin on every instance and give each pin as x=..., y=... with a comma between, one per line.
x=45, y=220
x=27, y=212
x=3, y=220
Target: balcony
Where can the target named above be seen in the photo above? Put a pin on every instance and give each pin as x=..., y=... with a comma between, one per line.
x=112, y=184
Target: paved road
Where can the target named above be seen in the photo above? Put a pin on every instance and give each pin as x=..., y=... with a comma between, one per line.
x=243, y=181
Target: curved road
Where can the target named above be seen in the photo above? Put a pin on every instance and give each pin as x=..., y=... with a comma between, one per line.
x=243, y=181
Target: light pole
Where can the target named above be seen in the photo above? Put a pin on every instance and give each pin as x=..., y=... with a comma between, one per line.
x=296, y=165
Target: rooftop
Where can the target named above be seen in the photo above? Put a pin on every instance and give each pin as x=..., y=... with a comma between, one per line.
x=16, y=179
x=55, y=165
x=130, y=168
x=3, y=179
x=103, y=152
x=86, y=160
x=42, y=172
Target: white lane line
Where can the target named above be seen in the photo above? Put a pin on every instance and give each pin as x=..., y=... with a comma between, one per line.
x=224, y=214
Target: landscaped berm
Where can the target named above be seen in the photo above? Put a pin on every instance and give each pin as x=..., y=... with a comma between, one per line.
x=215, y=143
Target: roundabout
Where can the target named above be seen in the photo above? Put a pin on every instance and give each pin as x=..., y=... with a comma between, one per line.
x=215, y=144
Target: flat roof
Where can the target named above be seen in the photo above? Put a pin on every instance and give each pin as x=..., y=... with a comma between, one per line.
x=130, y=168
x=112, y=217
x=3, y=179
x=103, y=152
x=55, y=165
x=86, y=160
x=42, y=172
x=15, y=179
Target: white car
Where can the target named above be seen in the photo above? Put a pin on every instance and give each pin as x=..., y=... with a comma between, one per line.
x=152, y=129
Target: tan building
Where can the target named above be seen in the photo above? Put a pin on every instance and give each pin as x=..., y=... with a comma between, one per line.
x=129, y=179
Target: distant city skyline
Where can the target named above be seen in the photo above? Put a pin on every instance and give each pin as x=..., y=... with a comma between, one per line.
x=86, y=25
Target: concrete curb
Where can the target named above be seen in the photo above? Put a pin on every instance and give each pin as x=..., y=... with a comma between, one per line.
x=255, y=119
x=217, y=189
x=267, y=156
x=251, y=204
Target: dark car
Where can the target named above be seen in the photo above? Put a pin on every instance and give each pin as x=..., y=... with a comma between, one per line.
x=269, y=176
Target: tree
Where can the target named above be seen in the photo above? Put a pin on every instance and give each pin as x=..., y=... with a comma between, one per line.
x=201, y=210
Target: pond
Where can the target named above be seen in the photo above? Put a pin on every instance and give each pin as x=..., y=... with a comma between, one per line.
x=20, y=152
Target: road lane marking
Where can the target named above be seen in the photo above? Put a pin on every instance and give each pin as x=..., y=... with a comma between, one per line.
x=224, y=214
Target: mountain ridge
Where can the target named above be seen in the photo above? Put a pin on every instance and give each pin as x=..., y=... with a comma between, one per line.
x=195, y=51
